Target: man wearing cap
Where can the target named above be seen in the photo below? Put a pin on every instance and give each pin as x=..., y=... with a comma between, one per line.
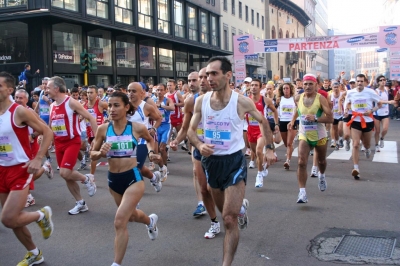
x=352, y=84
x=312, y=132
x=246, y=86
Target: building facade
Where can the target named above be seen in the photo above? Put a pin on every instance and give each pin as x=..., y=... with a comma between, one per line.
x=341, y=59
x=133, y=40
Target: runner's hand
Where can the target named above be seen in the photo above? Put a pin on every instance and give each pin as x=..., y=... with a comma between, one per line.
x=155, y=158
x=206, y=149
x=269, y=157
x=174, y=145
x=105, y=148
x=33, y=165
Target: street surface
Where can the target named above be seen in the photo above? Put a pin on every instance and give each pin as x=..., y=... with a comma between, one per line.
x=279, y=231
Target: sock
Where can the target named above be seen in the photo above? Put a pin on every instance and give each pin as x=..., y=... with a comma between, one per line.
x=215, y=220
x=41, y=216
x=154, y=178
x=381, y=138
x=151, y=222
x=321, y=176
x=115, y=264
x=83, y=161
x=259, y=172
x=314, y=168
x=30, y=195
x=303, y=190
x=82, y=202
x=242, y=210
x=356, y=166
x=35, y=251
x=48, y=158
x=200, y=203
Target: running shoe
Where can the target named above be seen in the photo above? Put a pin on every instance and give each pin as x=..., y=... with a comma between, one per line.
x=362, y=148
x=168, y=159
x=78, y=208
x=151, y=166
x=82, y=167
x=356, y=173
x=157, y=183
x=152, y=228
x=377, y=149
x=347, y=147
x=53, y=150
x=302, y=198
x=252, y=164
x=314, y=172
x=58, y=167
x=214, y=230
x=367, y=153
x=382, y=143
x=48, y=170
x=337, y=147
x=90, y=185
x=243, y=219
x=333, y=144
x=183, y=147
x=259, y=180
x=340, y=143
x=286, y=165
x=30, y=200
x=31, y=259
x=164, y=173
x=46, y=224
x=264, y=172
x=322, y=185
x=312, y=152
x=200, y=210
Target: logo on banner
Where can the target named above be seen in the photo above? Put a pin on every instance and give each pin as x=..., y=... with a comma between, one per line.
x=381, y=50
x=243, y=47
x=355, y=39
x=270, y=42
x=243, y=38
x=390, y=29
x=391, y=38
x=270, y=49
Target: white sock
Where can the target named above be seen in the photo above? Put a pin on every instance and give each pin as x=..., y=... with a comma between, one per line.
x=303, y=190
x=41, y=216
x=115, y=264
x=356, y=166
x=321, y=176
x=83, y=161
x=200, y=203
x=30, y=195
x=35, y=251
x=242, y=210
x=154, y=178
x=314, y=168
x=82, y=202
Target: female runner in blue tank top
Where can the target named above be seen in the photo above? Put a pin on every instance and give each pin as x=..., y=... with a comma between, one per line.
x=117, y=141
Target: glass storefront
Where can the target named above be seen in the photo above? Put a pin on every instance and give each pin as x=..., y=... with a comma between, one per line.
x=194, y=62
x=99, y=43
x=181, y=61
x=14, y=46
x=125, y=51
x=67, y=43
x=126, y=80
x=147, y=53
x=101, y=81
x=13, y=3
x=165, y=59
x=70, y=80
x=148, y=79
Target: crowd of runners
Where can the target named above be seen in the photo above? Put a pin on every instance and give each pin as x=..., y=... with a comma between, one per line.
x=218, y=124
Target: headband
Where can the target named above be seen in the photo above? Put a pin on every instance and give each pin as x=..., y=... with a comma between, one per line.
x=309, y=77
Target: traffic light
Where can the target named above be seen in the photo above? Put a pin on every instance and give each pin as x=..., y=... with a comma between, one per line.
x=84, y=61
x=92, y=63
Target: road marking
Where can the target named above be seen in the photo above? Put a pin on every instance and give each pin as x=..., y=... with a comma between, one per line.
x=341, y=154
x=102, y=164
x=388, y=154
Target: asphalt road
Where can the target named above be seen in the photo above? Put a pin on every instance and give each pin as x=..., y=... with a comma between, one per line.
x=279, y=231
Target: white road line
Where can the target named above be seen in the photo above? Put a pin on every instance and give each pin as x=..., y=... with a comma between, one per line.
x=278, y=145
x=341, y=154
x=295, y=152
x=388, y=154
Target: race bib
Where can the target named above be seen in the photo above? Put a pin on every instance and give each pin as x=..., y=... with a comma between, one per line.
x=92, y=113
x=360, y=105
x=200, y=131
x=121, y=146
x=252, y=121
x=162, y=112
x=58, y=127
x=287, y=111
x=218, y=133
x=308, y=125
x=6, y=150
x=44, y=109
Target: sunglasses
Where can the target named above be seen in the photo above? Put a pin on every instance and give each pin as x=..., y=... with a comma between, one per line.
x=382, y=80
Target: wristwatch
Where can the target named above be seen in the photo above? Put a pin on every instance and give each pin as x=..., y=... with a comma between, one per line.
x=270, y=146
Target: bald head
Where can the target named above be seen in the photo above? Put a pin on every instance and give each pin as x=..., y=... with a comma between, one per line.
x=135, y=91
x=193, y=81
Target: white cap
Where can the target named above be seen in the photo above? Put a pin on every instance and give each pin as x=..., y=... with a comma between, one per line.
x=352, y=80
x=248, y=79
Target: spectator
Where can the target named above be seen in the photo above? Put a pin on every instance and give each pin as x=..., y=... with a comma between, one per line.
x=29, y=78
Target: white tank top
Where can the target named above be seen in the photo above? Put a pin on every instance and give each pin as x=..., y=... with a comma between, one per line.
x=287, y=107
x=14, y=140
x=141, y=118
x=223, y=128
x=384, y=110
x=335, y=106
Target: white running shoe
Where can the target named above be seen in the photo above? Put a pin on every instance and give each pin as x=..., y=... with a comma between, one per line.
x=382, y=143
x=252, y=164
x=264, y=172
x=78, y=208
x=259, y=180
x=286, y=165
x=152, y=228
x=302, y=198
x=377, y=149
x=362, y=148
x=367, y=153
x=347, y=145
x=322, y=185
x=243, y=219
x=214, y=230
x=164, y=173
x=90, y=185
x=333, y=144
x=30, y=200
x=314, y=172
x=157, y=183
x=48, y=170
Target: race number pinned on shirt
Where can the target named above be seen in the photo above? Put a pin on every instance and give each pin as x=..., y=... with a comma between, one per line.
x=6, y=150
x=308, y=125
x=44, y=109
x=360, y=105
x=121, y=146
x=218, y=133
x=59, y=128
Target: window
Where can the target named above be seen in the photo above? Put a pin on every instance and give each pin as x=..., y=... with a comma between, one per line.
x=123, y=11
x=67, y=43
x=240, y=9
x=252, y=17
x=192, y=23
x=207, y=1
x=262, y=22
x=147, y=53
x=214, y=31
x=226, y=39
x=179, y=19
x=233, y=7
x=99, y=43
x=97, y=8
x=11, y=3
x=240, y=32
x=14, y=47
x=280, y=34
x=163, y=16
x=287, y=34
x=204, y=27
x=233, y=39
x=181, y=61
x=213, y=2
x=247, y=13
x=125, y=51
x=258, y=20
x=225, y=3
x=165, y=59
x=145, y=14
x=66, y=4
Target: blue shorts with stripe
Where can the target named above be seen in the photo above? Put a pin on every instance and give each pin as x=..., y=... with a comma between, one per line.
x=163, y=133
x=225, y=170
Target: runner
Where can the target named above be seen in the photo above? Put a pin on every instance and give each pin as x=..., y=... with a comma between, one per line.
x=117, y=141
x=382, y=114
x=221, y=112
x=144, y=112
x=17, y=166
x=360, y=101
x=178, y=101
x=96, y=108
x=165, y=106
x=312, y=133
x=337, y=126
x=65, y=125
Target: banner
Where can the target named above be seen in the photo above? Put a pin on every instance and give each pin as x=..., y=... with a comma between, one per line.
x=388, y=36
x=394, y=67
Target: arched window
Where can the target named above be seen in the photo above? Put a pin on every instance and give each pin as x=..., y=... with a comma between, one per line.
x=273, y=33
x=280, y=34
x=287, y=34
x=293, y=35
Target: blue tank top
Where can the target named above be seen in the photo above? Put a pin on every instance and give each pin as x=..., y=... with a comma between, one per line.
x=164, y=114
x=44, y=108
x=122, y=146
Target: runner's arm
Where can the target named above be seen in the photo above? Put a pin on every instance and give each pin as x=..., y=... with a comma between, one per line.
x=181, y=102
x=140, y=131
x=189, y=105
x=154, y=115
x=77, y=107
x=96, y=152
x=194, y=123
x=170, y=106
x=328, y=117
x=270, y=105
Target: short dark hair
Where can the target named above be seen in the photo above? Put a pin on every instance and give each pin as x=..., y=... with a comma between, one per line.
x=119, y=86
x=299, y=79
x=8, y=79
x=26, y=66
x=257, y=80
x=379, y=77
x=162, y=84
x=37, y=93
x=172, y=80
x=74, y=90
x=181, y=80
x=93, y=87
x=361, y=76
x=226, y=65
